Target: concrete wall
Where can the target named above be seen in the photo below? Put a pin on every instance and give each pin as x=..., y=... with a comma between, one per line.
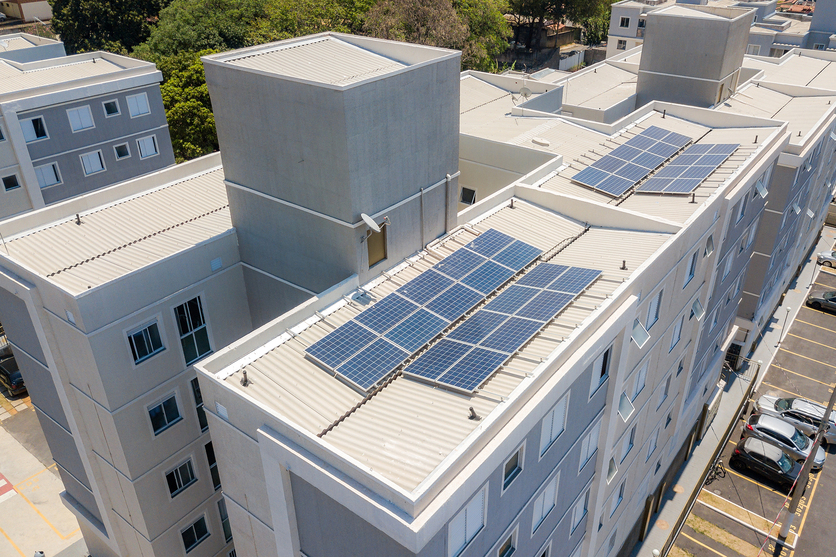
x=824, y=18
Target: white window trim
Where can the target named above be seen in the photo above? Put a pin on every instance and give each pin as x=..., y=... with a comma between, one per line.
x=619, y=43
x=655, y=302
x=676, y=335
x=46, y=129
x=565, y=401
x=584, y=459
x=57, y=174
x=514, y=534
x=520, y=465
x=116, y=155
x=596, y=379
x=483, y=491
x=621, y=22
x=118, y=108
x=184, y=486
x=101, y=159
x=17, y=179
x=128, y=331
x=583, y=499
x=555, y=477
x=693, y=263
x=173, y=313
x=153, y=137
x=89, y=113
x=191, y=524
x=618, y=497
x=175, y=393
x=461, y=196
x=148, y=104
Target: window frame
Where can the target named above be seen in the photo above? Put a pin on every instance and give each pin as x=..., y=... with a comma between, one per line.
x=84, y=166
x=692, y=268
x=618, y=497
x=654, y=304
x=127, y=146
x=37, y=139
x=606, y=363
x=213, y=465
x=587, y=439
x=551, y=414
x=56, y=169
x=153, y=138
x=472, y=198
x=483, y=493
x=178, y=479
x=541, y=491
x=576, y=521
x=621, y=44
x=200, y=540
x=200, y=410
x=89, y=113
x=147, y=105
x=118, y=108
x=160, y=402
x=2, y=135
x=676, y=335
x=14, y=177
x=651, y=447
x=513, y=537
x=663, y=394
x=641, y=372
x=204, y=325
x=629, y=437
x=129, y=333
x=624, y=22
x=223, y=513
x=508, y=479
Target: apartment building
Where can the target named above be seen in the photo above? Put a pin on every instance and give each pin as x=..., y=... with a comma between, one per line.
x=72, y=124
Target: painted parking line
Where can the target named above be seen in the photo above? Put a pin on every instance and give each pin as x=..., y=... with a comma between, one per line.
x=814, y=325
x=748, y=479
x=816, y=310
x=711, y=549
x=831, y=347
x=14, y=545
x=38, y=512
x=782, y=368
x=792, y=393
x=807, y=358
x=806, y=511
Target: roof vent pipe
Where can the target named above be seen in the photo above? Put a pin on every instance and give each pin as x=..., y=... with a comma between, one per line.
x=512, y=202
x=244, y=380
x=664, y=112
x=756, y=139
x=77, y=219
x=473, y=415
x=693, y=197
x=623, y=265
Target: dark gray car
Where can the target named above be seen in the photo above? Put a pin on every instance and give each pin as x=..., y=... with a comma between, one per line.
x=767, y=461
x=822, y=300
x=783, y=435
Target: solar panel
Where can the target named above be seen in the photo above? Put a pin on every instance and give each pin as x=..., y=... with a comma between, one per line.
x=478, y=327
x=687, y=171
x=575, y=280
x=372, y=364
x=472, y=370
x=490, y=242
x=487, y=277
x=656, y=184
x=416, y=330
x=424, y=287
x=591, y=176
x=386, y=313
x=438, y=359
x=517, y=255
x=542, y=275
x=676, y=139
x=512, y=334
x=454, y=302
x=615, y=185
x=340, y=344
x=512, y=299
x=459, y=263
x=545, y=305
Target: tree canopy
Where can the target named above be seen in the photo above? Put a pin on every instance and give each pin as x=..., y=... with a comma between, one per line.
x=537, y=12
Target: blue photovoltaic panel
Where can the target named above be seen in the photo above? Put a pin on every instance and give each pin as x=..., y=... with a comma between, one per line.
x=591, y=176
x=340, y=344
x=700, y=148
x=575, y=280
x=438, y=359
x=512, y=334
x=649, y=160
x=416, y=330
x=685, y=159
x=608, y=164
x=615, y=185
x=682, y=185
x=631, y=172
x=512, y=299
x=454, y=302
x=655, y=132
x=372, y=364
x=626, y=152
x=676, y=139
x=542, y=275
x=458, y=264
x=517, y=255
x=424, y=287
x=386, y=313
x=663, y=150
x=478, y=327
x=687, y=171
x=656, y=184
x=545, y=305
x=487, y=277
x=724, y=148
x=490, y=242
x=472, y=370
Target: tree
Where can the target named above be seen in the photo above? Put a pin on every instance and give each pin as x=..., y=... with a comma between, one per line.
x=536, y=12
x=597, y=26
x=119, y=25
x=489, y=32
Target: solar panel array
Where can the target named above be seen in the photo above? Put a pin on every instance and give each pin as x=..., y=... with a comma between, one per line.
x=627, y=165
x=470, y=354
x=367, y=348
x=687, y=171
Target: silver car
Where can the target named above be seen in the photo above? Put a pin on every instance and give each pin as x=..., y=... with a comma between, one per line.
x=783, y=435
x=803, y=414
x=826, y=258
x=822, y=300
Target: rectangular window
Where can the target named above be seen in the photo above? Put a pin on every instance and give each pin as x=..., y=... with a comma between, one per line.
x=121, y=151
x=513, y=467
x=600, y=371
x=225, y=520
x=145, y=342
x=34, y=129
x=651, y=446
x=180, y=478
x=509, y=546
x=376, y=246
x=579, y=510
x=193, y=334
x=618, y=498
x=625, y=22
x=198, y=401
x=194, y=534
x=639, y=334
x=697, y=310
x=213, y=466
x=753, y=49
x=544, y=503
x=612, y=470
x=627, y=443
x=677, y=333
x=92, y=162
x=111, y=108
x=10, y=182
x=589, y=445
x=48, y=175
x=138, y=105
x=611, y=545
x=80, y=118
x=709, y=246
x=818, y=46
x=465, y=525
x=742, y=211
x=625, y=407
x=164, y=415
x=692, y=269
x=3, y=137
x=468, y=196
x=621, y=44
x=727, y=267
x=147, y=146
x=663, y=394
x=639, y=381
x=653, y=310
x=553, y=424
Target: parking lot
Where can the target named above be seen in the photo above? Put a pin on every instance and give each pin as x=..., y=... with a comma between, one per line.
x=733, y=513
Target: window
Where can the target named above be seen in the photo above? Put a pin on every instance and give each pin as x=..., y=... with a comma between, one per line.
x=232, y=554
x=625, y=22
x=709, y=246
x=653, y=310
x=727, y=266
x=618, y=498
x=625, y=407
x=669, y=419
x=697, y=310
x=753, y=49
x=225, y=520
x=544, y=503
x=677, y=333
x=751, y=235
x=513, y=467
x=180, y=478
x=627, y=443
x=553, y=425
x=642, y=23
x=147, y=146
x=164, y=415
x=48, y=175
x=621, y=45
x=92, y=162
x=80, y=118
x=600, y=370
x=376, y=246
x=121, y=151
x=198, y=402
x=468, y=196
x=611, y=545
x=3, y=137
x=692, y=269
x=34, y=129
x=194, y=534
x=111, y=108
x=742, y=204
x=651, y=446
x=193, y=334
x=138, y=105
x=612, y=469
x=10, y=182
x=715, y=318
x=465, y=525
x=508, y=546
x=579, y=510
x=213, y=466
x=145, y=342
x=663, y=394
x=640, y=335
x=680, y=366
x=639, y=380
x=818, y=46
x=589, y=445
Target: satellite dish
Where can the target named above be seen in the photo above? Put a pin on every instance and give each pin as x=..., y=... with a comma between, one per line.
x=370, y=222
x=525, y=91
x=5, y=44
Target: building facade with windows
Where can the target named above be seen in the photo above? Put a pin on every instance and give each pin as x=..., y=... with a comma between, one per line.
x=74, y=124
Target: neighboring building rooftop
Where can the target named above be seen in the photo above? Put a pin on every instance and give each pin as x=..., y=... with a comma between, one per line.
x=803, y=67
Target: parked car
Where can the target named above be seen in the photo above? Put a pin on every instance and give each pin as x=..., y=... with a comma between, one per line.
x=10, y=377
x=826, y=258
x=783, y=435
x=822, y=300
x=767, y=461
x=805, y=415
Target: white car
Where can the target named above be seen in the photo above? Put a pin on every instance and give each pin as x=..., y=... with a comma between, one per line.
x=2, y=16
x=804, y=414
x=826, y=258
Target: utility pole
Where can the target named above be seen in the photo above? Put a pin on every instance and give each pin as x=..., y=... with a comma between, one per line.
x=801, y=482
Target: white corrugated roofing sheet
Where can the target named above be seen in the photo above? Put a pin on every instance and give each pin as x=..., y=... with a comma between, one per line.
x=14, y=43
x=13, y=79
x=125, y=236
x=323, y=60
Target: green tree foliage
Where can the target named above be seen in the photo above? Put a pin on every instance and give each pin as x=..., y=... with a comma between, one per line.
x=536, y=12
x=489, y=32
x=597, y=26
x=119, y=25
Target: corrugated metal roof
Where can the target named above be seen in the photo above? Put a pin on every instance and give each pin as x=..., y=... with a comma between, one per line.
x=475, y=93
x=15, y=43
x=119, y=238
x=599, y=88
x=13, y=79
x=324, y=60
